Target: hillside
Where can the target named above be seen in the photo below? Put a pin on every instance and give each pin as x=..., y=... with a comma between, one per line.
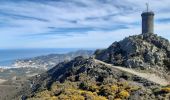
x=12, y=79
x=136, y=68
x=147, y=52
x=149, y=76
x=91, y=79
x=32, y=66
x=49, y=61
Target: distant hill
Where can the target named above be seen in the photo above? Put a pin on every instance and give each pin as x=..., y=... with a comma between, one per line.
x=36, y=65
x=49, y=61
x=26, y=68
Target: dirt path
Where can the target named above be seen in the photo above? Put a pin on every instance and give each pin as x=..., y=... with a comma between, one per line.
x=2, y=80
x=148, y=76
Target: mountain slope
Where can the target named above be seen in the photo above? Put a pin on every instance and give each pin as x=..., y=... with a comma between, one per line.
x=90, y=79
x=31, y=66
x=150, y=77
x=144, y=56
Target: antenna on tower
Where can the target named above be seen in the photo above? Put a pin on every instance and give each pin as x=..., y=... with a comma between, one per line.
x=147, y=7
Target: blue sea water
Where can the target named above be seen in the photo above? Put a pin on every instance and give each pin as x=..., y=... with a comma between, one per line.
x=8, y=56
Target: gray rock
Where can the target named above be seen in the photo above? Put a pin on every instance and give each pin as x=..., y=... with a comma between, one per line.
x=144, y=51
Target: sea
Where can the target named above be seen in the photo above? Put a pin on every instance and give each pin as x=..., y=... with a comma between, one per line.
x=9, y=56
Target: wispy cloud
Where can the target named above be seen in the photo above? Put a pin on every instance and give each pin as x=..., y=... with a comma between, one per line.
x=91, y=23
x=23, y=17
x=163, y=20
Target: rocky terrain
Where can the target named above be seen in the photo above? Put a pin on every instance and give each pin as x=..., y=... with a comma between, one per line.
x=90, y=79
x=136, y=68
x=12, y=79
x=147, y=52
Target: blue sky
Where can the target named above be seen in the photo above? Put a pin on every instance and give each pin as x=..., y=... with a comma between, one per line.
x=76, y=23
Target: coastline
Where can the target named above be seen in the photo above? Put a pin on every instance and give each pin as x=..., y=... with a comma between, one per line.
x=7, y=67
x=10, y=56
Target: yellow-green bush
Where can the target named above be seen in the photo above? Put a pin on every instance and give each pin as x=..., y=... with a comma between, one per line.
x=134, y=88
x=105, y=90
x=117, y=99
x=166, y=89
x=92, y=96
x=44, y=93
x=124, y=94
x=88, y=90
x=63, y=97
x=114, y=88
x=53, y=98
x=89, y=86
x=76, y=97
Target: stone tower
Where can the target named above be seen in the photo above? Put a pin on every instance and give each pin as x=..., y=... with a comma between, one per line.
x=147, y=21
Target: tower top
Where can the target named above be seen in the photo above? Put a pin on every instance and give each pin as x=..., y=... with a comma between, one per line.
x=147, y=12
x=147, y=20
x=147, y=7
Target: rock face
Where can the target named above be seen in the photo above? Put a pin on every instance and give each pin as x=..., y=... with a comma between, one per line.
x=144, y=51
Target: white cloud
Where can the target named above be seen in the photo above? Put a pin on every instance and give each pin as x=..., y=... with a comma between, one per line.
x=24, y=18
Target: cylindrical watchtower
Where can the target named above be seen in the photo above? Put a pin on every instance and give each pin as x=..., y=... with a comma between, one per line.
x=147, y=21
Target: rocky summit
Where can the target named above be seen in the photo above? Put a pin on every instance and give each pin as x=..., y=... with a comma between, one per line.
x=144, y=51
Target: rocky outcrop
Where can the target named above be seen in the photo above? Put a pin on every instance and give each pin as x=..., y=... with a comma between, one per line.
x=144, y=51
